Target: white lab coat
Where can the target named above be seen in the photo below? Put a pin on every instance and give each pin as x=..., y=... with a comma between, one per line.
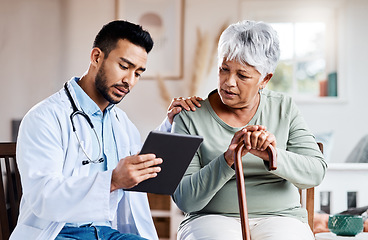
x=57, y=188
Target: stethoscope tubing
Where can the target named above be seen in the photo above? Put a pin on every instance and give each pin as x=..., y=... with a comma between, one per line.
x=76, y=112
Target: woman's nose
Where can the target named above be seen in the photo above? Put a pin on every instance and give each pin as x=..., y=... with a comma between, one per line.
x=230, y=80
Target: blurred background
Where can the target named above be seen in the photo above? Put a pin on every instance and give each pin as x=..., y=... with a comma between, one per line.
x=43, y=43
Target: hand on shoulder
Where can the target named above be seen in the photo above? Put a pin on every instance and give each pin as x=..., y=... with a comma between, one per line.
x=177, y=104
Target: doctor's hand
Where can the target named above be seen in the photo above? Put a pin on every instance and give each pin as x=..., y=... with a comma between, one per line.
x=134, y=169
x=177, y=104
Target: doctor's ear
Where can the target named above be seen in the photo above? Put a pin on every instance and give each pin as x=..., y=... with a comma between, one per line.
x=96, y=55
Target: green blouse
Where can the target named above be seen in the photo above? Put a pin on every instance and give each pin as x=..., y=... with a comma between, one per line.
x=209, y=185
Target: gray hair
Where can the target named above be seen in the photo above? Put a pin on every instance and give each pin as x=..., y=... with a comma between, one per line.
x=252, y=43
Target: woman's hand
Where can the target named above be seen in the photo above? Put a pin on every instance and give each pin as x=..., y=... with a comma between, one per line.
x=256, y=140
x=177, y=104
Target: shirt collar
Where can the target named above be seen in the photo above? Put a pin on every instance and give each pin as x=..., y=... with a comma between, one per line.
x=85, y=102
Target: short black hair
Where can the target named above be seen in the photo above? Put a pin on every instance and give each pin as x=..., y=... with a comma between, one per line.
x=112, y=32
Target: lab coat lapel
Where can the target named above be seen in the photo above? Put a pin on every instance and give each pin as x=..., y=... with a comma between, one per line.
x=84, y=134
x=127, y=145
x=122, y=139
x=122, y=145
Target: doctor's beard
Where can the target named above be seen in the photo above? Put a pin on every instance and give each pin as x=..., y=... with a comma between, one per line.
x=103, y=88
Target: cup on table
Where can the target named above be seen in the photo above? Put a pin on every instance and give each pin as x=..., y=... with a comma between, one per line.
x=345, y=225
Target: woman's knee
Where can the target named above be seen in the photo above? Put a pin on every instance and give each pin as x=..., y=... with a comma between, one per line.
x=280, y=228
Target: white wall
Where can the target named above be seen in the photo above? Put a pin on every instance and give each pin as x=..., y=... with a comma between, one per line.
x=43, y=43
x=30, y=36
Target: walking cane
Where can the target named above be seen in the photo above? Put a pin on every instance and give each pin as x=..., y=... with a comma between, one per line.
x=241, y=186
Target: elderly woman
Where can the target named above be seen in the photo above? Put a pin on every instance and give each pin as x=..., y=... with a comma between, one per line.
x=241, y=109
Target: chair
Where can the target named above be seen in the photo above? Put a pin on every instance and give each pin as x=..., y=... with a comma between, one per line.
x=10, y=189
x=307, y=194
x=307, y=199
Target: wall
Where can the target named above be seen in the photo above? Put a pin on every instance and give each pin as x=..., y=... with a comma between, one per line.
x=30, y=36
x=43, y=43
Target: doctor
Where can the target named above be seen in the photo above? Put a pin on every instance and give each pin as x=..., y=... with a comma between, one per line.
x=76, y=151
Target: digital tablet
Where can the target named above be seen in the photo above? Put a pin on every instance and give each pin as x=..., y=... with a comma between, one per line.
x=177, y=151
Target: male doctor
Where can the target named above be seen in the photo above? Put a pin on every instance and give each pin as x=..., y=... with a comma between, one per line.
x=76, y=151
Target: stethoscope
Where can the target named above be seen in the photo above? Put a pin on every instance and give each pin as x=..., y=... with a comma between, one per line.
x=75, y=112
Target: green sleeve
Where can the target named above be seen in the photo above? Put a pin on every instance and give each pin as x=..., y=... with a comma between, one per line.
x=301, y=162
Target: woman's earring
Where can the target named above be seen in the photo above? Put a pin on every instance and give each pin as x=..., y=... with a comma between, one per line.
x=260, y=90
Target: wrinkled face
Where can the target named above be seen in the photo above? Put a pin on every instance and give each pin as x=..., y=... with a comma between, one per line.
x=120, y=71
x=238, y=84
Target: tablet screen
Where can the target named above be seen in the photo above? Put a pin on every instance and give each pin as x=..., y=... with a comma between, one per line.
x=177, y=151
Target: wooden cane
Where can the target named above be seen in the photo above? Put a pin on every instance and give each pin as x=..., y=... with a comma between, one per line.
x=241, y=185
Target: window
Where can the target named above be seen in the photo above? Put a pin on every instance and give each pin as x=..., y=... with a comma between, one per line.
x=308, y=42
x=302, y=66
